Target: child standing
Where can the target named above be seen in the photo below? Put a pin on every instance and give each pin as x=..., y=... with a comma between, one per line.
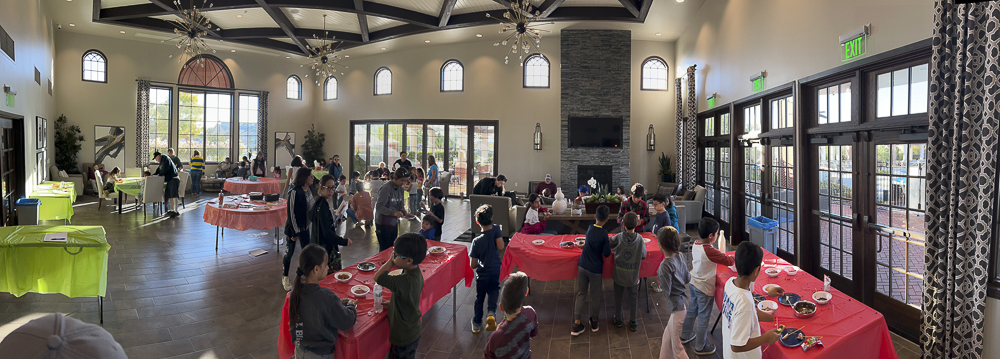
x=485, y=260
x=591, y=266
x=704, y=258
x=404, y=309
x=437, y=211
x=427, y=228
x=513, y=338
x=637, y=205
x=532, y=223
x=671, y=210
x=629, y=250
x=341, y=192
x=673, y=274
x=662, y=217
x=417, y=195
x=315, y=314
x=741, y=336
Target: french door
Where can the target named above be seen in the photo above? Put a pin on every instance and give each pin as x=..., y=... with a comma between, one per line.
x=11, y=170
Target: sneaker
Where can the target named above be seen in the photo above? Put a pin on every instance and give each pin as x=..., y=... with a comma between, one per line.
x=491, y=322
x=617, y=322
x=655, y=287
x=633, y=325
x=476, y=327
x=688, y=340
x=709, y=349
x=593, y=325
x=286, y=283
x=577, y=329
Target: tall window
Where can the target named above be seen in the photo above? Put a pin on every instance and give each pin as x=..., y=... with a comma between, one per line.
x=536, y=71
x=248, y=124
x=452, y=76
x=782, y=113
x=783, y=195
x=724, y=124
x=159, y=119
x=710, y=127
x=753, y=167
x=654, y=74
x=293, y=88
x=751, y=119
x=95, y=66
x=709, y=153
x=415, y=144
x=360, y=148
x=835, y=103
x=205, y=125
x=902, y=92
x=383, y=81
x=206, y=71
x=330, y=88
x=191, y=123
x=725, y=168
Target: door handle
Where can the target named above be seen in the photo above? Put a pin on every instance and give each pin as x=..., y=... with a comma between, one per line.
x=878, y=231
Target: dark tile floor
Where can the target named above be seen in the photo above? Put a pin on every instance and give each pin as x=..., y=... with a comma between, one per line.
x=170, y=295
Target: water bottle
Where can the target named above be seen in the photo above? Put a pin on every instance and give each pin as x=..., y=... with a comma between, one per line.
x=378, y=298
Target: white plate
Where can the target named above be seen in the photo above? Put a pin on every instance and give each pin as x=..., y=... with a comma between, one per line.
x=767, y=304
x=646, y=240
x=338, y=274
x=772, y=272
x=768, y=286
x=792, y=271
x=538, y=242
x=354, y=290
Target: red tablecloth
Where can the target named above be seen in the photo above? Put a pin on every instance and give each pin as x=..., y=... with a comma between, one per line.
x=369, y=338
x=237, y=185
x=242, y=219
x=849, y=328
x=549, y=262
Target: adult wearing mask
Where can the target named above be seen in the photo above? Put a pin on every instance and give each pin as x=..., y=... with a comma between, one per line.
x=389, y=208
x=297, y=227
x=169, y=173
x=335, y=168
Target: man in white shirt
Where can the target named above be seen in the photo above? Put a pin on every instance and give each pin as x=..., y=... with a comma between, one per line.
x=741, y=336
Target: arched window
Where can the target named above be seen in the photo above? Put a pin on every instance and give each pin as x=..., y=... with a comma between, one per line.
x=452, y=76
x=536, y=71
x=330, y=88
x=383, y=81
x=95, y=66
x=206, y=71
x=293, y=88
x=654, y=74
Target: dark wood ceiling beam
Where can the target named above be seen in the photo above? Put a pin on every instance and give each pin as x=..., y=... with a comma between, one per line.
x=285, y=24
x=592, y=13
x=334, y=35
x=549, y=6
x=371, y=8
x=630, y=6
x=168, y=6
x=644, y=10
x=158, y=25
x=446, y=8
x=362, y=19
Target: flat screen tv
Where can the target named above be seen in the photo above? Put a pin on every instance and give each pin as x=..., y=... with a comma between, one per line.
x=595, y=132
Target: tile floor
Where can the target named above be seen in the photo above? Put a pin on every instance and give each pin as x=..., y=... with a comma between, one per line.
x=170, y=295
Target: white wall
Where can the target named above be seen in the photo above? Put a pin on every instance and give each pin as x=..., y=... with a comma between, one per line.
x=31, y=28
x=114, y=104
x=731, y=40
x=652, y=107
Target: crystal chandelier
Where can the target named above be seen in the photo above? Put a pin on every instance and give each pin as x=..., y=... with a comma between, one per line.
x=325, y=57
x=191, y=26
x=522, y=27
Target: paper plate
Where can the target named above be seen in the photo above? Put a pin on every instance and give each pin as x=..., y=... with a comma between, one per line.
x=790, y=338
x=789, y=299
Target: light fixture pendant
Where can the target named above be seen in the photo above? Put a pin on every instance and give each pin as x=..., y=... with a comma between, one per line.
x=191, y=27
x=650, y=139
x=325, y=57
x=520, y=24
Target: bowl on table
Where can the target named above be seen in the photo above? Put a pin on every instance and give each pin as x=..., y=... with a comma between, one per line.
x=343, y=277
x=767, y=306
x=772, y=272
x=538, y=242
x=360, y=291
x=822, y=297
x=437, y=250
x=567, y=244
x=804, y=309
x=792, y=270
x=767, y=289
x=580, y=242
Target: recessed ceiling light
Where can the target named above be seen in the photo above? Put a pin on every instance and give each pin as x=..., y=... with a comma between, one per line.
x=658, y=34
x=383, y=49
x=294, y=11
x=123, y=31
x=679, y=1
x=72, y=24
x=234, y=50
x=288, y=57
x=240, y=16
x=427, y=41
x=347, y=55
x=479, y=35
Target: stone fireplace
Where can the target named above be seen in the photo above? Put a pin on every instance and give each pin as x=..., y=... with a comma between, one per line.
x=596, y=82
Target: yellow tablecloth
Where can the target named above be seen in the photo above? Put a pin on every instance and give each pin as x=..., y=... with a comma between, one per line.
x=53, y=185
x=77, y=268
x=54, y=203
x=131, y=186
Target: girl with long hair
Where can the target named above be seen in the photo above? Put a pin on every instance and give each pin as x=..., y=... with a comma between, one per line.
x=316, y=314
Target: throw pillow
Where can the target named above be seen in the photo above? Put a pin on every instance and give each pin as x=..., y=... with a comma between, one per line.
x=63, y=174
x=689, y=195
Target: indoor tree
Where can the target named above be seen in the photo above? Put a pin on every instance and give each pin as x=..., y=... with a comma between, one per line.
x=68, y=138
x=312, y=149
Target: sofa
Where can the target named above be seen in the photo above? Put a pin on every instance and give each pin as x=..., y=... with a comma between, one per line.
x=501, y=213
x=77, y=179
x=692, y=208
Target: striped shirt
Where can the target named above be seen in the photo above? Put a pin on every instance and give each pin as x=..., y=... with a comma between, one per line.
x=197, y=164
x=512, y=339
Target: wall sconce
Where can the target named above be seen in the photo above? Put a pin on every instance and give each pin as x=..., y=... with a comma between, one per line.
x=650, y=139
x=538, y=136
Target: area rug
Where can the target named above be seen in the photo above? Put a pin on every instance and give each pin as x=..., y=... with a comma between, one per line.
x=465, y=237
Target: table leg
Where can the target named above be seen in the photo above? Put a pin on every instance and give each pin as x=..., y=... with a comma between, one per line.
x=716, y=323
x=454, y=300
x=645, y=284
x=119, y=202
x=216, y=239
x=100, y=307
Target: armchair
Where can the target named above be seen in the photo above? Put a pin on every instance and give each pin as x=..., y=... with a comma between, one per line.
x=444, y=181
x=517, y=214
x=87, y=168
x=692, y=208
x=501, y=213
x=77, y=179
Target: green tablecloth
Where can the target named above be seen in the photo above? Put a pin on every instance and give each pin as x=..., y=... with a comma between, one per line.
x=131, y=186
x=77, y=268
x=319, y=174
x=69, y=186
x=54, y=203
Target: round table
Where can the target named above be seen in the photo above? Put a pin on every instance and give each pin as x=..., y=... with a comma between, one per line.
x=131, y=186
x=242, y=186
x=245, y=217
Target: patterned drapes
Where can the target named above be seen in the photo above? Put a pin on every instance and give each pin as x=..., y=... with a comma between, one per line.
x=679, y=155
x=262, y=124
x=964, y=95
x=142, y=124
x=691, y=134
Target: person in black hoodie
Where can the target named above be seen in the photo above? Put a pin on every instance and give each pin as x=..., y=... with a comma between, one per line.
x=315, y=314
x=259, y=167
x=168, y=170
x=323, y=223
x=297, y=228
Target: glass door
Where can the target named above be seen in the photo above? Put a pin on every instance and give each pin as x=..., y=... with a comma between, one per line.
x=360, y=159
x=8, y=176
x=782, y=198
x=485, y=145
x=394, y=144
x=436, y=146
x=835, y=217
x=458, y=159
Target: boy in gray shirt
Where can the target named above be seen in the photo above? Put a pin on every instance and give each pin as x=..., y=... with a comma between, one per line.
x=629, y=250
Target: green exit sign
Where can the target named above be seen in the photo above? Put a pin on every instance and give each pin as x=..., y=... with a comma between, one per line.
x=757, y=83
x=855, y=48
x=711, y=102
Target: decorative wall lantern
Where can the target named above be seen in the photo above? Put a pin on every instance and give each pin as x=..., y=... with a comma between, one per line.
x=650, y=139
x=538, y=136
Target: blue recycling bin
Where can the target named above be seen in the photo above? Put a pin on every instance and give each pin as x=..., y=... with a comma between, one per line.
x=27, y=211
x=763, y=232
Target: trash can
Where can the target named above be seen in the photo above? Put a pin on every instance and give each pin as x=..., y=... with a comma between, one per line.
x=763, y=232
x=27, y=211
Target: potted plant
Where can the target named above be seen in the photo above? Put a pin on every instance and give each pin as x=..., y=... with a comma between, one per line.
x=601, y=196
x=68, y=138
x=312, y=149
x=666, y=171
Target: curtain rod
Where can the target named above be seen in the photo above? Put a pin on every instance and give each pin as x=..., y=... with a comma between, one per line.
x=200, y=87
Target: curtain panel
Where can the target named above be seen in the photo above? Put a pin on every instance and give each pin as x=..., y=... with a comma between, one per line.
x=679, y=131
x=142, y=124
x=262, y=124
x=691, y=134
x=964, y=94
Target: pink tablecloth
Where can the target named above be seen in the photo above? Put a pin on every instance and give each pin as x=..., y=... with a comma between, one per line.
x=246, y=217
x=240, y=186
x=849, y=328
x=549, y=262
x=369, y=339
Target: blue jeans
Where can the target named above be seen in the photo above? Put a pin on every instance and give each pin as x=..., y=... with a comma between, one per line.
x=196, y=182
x=699, y=307
x=350, y=213
x=486, y=286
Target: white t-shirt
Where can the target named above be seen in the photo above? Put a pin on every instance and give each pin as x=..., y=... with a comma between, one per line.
x=531, y=217
x=739, y=321
x=341, y=191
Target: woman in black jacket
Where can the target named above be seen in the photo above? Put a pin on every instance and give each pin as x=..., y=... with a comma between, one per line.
x=259, y=167
x=323, y=223
x=297, y=228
